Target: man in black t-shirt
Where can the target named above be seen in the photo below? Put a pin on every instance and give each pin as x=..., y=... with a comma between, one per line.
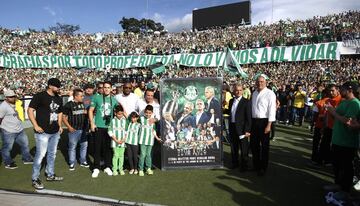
x=282, y=96
x=47, y=126
x=74, y=114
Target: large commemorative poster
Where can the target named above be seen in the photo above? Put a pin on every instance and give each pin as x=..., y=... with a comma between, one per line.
x=191, y=120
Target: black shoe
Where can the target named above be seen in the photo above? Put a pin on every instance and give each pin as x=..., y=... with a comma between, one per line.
x=84, y=164
x=11, y=166
x=37, y=184
x=54, y=178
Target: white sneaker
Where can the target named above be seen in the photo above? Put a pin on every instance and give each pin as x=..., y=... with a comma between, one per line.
x=95, y=173
x=357, y=186
x=108, y=171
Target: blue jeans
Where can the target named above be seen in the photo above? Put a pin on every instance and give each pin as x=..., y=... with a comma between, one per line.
x=8, y=140
x=45, y=143
x=75, y=138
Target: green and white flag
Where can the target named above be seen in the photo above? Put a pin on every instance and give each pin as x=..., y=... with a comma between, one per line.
x=157, y=68
x=231, y=65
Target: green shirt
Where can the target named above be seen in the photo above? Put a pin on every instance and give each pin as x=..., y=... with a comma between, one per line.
x=343, y=135
x=147, y=131
x=133, y=133
x=117, y=128
x=103, y=109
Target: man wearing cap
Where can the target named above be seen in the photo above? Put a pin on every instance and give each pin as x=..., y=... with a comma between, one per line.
x=47, y=126
x=263, y=111
x=345, y=140
x=12, y=131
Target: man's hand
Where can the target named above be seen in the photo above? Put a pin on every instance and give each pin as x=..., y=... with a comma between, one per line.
x=38, y=129
x=92, y=127
x=267, y=129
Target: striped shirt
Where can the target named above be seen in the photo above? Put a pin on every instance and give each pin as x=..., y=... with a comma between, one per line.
x=75, y=111
x=147, y=131
x=133, y=133
x=117, y=128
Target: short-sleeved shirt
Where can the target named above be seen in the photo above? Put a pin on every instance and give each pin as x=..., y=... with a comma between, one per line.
x=47, y=111
x=146, y=132
x=299, y=99
x=103, y=108
x=75, y=111
x=343, y=135
x=11, y=121
x=133, y=133
x=117, y=128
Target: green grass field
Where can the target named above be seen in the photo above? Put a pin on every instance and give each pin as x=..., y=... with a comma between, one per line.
x=289, y=181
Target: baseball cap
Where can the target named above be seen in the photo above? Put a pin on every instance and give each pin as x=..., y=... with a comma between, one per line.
x=54, y=82
x=350, y=85
x=9, y=93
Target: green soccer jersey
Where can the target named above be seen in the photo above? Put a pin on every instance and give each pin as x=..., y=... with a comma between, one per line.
x=343, y=135
x=146, y=132
x=133, y=133
x=103, y=109
x=117, y=128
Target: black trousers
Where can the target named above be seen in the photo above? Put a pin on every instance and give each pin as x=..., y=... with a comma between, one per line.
x=102, y=148
x=236, y=144
x=325, y=146
x=315, y=155
x=132, y=153
x=260, y=144
x=343, y=166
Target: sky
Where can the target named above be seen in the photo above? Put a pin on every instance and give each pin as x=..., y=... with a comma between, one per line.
x=175, y=15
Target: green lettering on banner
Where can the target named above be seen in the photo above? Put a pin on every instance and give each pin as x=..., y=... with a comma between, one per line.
x=218, y=58
x=142, y=61
x=197, y=62
x=85, y=62
x=92, y=62
x=295, y=52
x=253, y=54
x=320, y=52
x=60, y=61
x=331, y=51
x=282, y=54
x=164, y=60
x=310, y=52
x=45, y=60
x=182, y=59
x=67, y=62
x=106, y=61
x=126, y=60
x=275, y=54
x=190, y=60
x=133, y=62
x=113, y=62
x=264, y=56
x=147, y=62
x=99, y=62
x=244, y=57
x=237, y=55
x=20, y=62
x=27, y=58
x=38, y=62
x=52, y=61
x=77, y=58
x=302, y=53
x=6, y=62
x=171, y=59
x=156, y=59
x=33, y=63
x=208, y=59
x=13, y=62
x=120, y=62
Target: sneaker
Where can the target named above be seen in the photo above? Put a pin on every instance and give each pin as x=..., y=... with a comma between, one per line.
x=11, y=166
x=108, y=171
x=28, y=162
x=95, y=173
x=136, y=172
x=131, y=172
x=85, y=164
x=72, y=167
x=357, y=186
x=115, y=173
x=149, y=172
x=122, y=172
x=37, y=184
x=141, y=173
x=54, y=178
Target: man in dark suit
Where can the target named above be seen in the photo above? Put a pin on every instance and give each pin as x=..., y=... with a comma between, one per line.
x=240, y=126
x=212, y=105
x=201, y=116
x=186, y=117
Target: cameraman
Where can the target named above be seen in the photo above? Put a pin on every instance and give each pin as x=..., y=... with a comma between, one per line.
x=104, y=105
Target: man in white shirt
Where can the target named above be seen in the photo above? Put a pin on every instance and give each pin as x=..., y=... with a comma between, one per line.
x=149, y=100
x=128, y=100
x=263, y=114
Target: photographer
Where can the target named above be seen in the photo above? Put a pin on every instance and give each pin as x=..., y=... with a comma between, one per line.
x=104, y=105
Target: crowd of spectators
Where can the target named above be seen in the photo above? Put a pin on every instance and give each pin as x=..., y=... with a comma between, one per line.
x=333, y=27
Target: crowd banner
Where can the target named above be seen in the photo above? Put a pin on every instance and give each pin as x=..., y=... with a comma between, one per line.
x=350, y=47
x=191, y=123
x=323, y=51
